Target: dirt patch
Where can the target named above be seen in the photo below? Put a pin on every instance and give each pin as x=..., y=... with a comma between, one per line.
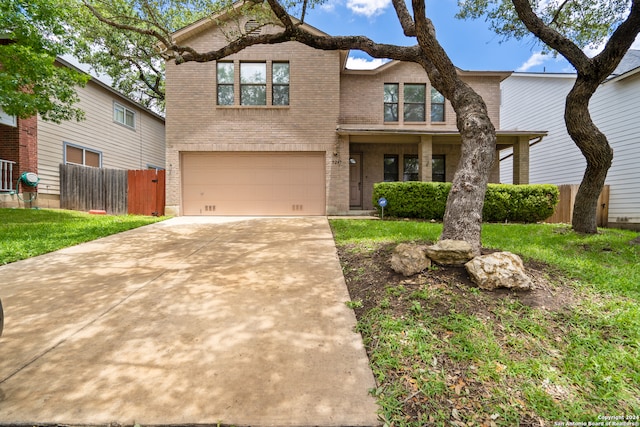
x=441, y=291
x=369, y=276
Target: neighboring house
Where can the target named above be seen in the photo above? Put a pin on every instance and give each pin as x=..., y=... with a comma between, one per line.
x=117, y=133
x=537, y=100
x=286, y=130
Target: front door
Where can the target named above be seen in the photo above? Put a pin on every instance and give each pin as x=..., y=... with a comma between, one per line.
x=355, y=180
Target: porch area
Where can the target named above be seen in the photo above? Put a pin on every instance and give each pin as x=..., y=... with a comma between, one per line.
x=394, y=155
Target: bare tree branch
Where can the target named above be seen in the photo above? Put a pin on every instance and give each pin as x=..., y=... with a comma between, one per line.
x=551, y=37
x=408, y=26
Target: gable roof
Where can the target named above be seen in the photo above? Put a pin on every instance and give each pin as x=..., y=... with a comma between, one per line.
x=111, y=90
x=629, y=65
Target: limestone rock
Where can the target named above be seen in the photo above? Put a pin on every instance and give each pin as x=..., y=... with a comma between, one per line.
x=498, y=270
x=450, y=252
x=409, y=259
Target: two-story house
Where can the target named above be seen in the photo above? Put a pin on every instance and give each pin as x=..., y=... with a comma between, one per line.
x=116, y=133
x=538, y=99
x=287, y=130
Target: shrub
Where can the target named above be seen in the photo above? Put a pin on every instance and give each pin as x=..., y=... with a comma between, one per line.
x=503, y=202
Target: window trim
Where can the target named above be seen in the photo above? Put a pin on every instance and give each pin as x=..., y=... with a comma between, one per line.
x=237, y=85
x=124, y=115
x=66, y=144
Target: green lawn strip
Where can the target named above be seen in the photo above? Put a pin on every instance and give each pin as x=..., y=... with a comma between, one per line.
x=515, y=364
x=26, y=233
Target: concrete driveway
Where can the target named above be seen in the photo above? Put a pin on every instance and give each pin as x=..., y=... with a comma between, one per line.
x=190, y=321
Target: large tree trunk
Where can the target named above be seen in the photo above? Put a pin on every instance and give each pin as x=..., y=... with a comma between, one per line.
x=463, y=214
x=596, y=150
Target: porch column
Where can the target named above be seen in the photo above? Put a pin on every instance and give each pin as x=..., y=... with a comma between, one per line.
x=521, y=160
x=425, y=152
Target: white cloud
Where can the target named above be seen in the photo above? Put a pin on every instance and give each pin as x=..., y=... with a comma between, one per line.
x=368, y=8
x=364, y=64
x=329, y=6
x=636, y=44
x=536, y=59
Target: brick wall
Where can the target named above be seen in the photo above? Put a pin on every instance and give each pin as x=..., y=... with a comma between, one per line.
x=20, y=144
x=195, y=123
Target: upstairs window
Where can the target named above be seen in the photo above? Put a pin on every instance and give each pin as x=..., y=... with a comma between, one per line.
x=123, y=115
x=253, y=83
x=280, y=83
x=437, y=106
x=225, y=76
x=391, y=91
x=414, y=102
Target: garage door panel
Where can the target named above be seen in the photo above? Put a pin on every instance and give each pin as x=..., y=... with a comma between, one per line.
x=253, y=183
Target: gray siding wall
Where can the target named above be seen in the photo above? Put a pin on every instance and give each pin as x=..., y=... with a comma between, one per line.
x=121, y=147
x=536, y=101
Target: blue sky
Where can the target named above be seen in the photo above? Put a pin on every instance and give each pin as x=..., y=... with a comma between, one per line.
x=470, y=44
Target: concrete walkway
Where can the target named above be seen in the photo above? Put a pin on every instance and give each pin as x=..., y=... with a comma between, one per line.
x=236, y=321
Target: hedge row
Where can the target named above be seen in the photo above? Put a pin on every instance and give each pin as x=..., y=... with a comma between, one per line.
x=503, y=202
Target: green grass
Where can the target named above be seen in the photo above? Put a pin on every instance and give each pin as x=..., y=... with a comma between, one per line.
x=440, y=359
x=26, y=233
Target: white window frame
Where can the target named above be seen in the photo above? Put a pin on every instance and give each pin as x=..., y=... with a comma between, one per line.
x=84, y=154
x=117, y=106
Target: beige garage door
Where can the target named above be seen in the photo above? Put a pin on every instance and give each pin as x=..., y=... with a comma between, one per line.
x=253, y=183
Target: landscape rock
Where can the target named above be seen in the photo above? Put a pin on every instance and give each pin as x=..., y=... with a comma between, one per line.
x=499, y=270
x=450, y=252
x=409, y=259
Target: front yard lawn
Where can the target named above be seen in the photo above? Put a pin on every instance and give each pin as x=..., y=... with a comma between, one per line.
x=445, y=353
x=26, y=233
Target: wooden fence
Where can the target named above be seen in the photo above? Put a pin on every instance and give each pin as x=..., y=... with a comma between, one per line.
x=564, y=210
x=115, y=191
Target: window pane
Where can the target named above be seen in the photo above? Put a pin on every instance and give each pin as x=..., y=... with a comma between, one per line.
x=390, y=167
x=390, y=112
x=438, y=168
x=225, y=95
x=414, y=112
x=91, y=159
x=130, y=119
x=414, y=93
x=437, y=112
x=280, y=73
x=391, y=92
x=225, y=72
x=436, y=97
x=411, y=170
x=437, y=106
x=253, y=95
x=118, y=113
x=74, y=155
x=281, y=95
x=251, y=72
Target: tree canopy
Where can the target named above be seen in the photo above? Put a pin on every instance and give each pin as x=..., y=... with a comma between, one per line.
x=568, y=27
x=32, y=34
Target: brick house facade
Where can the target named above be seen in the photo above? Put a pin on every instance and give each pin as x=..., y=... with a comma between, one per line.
x=236, y=146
